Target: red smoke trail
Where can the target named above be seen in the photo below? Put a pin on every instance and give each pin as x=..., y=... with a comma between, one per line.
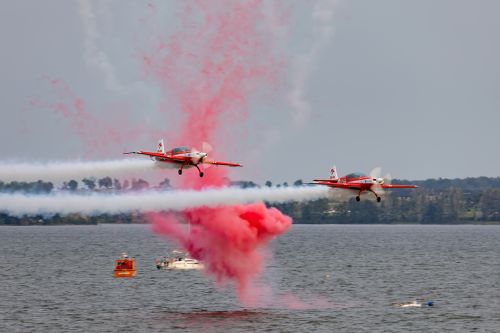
x=227, y=239
x=212, y=65
x=221, y=56
x=102, y=136
x=217, y=60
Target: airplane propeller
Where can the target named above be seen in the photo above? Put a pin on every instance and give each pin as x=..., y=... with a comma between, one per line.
x=205, y=149
x=376, y=175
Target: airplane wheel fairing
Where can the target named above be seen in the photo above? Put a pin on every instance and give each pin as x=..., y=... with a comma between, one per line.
x=358, y=198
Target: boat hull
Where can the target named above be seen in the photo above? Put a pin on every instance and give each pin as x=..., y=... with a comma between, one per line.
x=124, y=273
x=180, y=264
x=183, y=267
x=124, y=267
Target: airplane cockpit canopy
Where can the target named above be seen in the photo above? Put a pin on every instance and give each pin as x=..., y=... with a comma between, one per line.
x=179, y=150
x=355, y=175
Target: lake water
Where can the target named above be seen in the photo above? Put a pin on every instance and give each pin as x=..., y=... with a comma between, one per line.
x=331, y=278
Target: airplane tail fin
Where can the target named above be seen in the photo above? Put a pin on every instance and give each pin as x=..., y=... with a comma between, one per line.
x=333, y=173
x=161, y=147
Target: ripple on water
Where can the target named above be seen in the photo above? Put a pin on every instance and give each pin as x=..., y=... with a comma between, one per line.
x=348, y=277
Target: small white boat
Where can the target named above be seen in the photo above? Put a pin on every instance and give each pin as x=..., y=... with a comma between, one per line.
x=413, y=304
x=178, y=262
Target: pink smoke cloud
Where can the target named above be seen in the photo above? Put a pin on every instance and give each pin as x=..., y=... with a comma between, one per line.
x=213, y=65
x=101, y=135
x=226, y=239
x=220, y=58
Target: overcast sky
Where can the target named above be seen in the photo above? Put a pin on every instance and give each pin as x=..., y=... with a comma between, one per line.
x=410, y=86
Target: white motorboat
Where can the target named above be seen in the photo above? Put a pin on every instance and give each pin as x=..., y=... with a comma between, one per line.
x=413, y=304
x=178, y=261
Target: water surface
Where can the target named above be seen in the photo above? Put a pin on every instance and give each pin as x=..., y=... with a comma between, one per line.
x=342, y=278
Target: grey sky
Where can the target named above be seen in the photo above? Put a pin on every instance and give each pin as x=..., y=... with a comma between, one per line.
x=411, y=86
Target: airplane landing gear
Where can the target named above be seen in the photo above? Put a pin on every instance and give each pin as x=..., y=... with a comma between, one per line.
x=358, y=197
x=180, y=170
x=201, y=172
x=376, y=196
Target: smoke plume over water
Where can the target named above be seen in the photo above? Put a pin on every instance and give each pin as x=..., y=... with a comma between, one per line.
x=63, y=171
x=227, y=239
x=22, y=204
x=218, y=60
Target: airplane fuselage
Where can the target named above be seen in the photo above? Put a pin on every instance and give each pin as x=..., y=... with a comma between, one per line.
x=359, y=183
x=362, y=182
x=181, y=158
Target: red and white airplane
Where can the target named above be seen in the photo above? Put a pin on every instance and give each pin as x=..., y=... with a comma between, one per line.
x=182, y=158
x=360, y=183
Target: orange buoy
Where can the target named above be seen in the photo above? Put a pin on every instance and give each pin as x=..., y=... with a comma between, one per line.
x=125, y=267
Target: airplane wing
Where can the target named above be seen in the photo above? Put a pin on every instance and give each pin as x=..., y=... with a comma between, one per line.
x=336, y=185
x=222, y=163
x=326, y=180
x=160, y=156
x=397, y=186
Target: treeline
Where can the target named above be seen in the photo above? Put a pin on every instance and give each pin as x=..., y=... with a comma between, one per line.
x=436, y=201
x=86, y=186
x=425, y=206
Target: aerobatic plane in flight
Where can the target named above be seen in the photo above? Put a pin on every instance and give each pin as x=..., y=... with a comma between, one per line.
x=182, y=158
x=358, y=182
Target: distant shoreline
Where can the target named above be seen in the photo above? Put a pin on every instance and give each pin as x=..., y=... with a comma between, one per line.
x=471, y=201
x=316, y=224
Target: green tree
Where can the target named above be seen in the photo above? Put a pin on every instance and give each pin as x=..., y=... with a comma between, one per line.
x=89, y=182
x=106, y=182
x=117, y=185
x=139, y=185
x=489, y=205
x=72, y=185
x=165, y=184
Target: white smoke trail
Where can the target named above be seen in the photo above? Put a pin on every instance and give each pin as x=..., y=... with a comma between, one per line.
x=94, y=56
x=303, y=64
x=20, y=204
x=63, y=171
